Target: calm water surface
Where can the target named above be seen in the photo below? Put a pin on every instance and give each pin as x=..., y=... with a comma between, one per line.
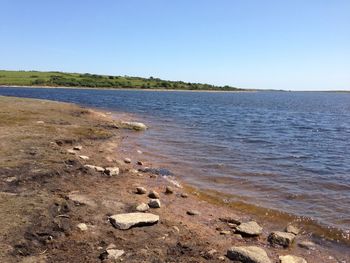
x=281, y=150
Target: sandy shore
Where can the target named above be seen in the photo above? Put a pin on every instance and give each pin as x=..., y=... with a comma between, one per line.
x=54, y=208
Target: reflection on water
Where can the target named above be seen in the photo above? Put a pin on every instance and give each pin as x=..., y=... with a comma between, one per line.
x=281, y=150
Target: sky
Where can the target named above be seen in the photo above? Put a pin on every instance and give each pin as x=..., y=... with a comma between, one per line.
x=264, y=44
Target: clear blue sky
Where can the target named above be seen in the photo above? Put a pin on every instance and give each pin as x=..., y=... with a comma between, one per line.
x=281, y=44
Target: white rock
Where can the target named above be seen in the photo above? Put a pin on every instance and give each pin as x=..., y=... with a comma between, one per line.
x=249, y=254
x=82, y=226
x=84, y=157
x=193, y=213
x=78, y=147
x=281, y=238
x=96, y=168
x=138, y=126
x=154, y=203
x=127, y=160
x=142, y=207
x=291, y=259
x=71, y=151
x=128, y=220
x=250, y=228
x=292, y=229
x=139, y=152
x=112, y=171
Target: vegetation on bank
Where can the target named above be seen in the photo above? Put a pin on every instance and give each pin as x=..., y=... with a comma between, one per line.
x=62, y=79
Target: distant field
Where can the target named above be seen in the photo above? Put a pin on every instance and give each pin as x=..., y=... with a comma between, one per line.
x=60, y=79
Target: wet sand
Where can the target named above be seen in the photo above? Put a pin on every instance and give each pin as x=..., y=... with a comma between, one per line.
x=39, y=174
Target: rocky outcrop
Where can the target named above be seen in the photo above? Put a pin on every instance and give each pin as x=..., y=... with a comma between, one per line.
x=281, y=238
x=128, y=220
x=248, y=254
x=250, y=228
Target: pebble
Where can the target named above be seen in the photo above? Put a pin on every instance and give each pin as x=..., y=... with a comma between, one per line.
x=84, y=157
x=139, y=151
x=142, y=207
x=248, y=254
x=281, y=238
x=176, y=229
x=139, y=163
x=154, y=203
x=291, y=259
x=78, y=147
x=169, y=190
x=127, y=160
x=184, y=195
x=250, y=228
x=141, y=190
x=292, y=229
x=153, y=194
x=193, y=212
x=71, y=151
x=82, y=226
x=112, y=171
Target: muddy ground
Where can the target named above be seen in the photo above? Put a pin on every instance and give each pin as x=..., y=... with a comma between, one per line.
x=39, y=220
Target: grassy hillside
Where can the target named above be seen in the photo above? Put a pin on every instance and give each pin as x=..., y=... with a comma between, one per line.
x=59, y=79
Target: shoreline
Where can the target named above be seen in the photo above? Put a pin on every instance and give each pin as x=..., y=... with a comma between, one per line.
x=97, y=133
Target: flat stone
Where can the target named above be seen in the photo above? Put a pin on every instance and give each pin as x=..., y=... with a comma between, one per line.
x=142, y=207
x=248, y=254
x=112, y=171
x=307, y=245
x=82, y=226
x=141, y=190
x=281, y=238
x=84, y=157
x=291, y=259
x=292, y=229
x=127, y=160
x=78, y=147
x=153, y=194
x=94, y=167
x=250, y=228
x=80, y=199
x=154, y=203
x=137, y=126
x=128, y=220
x=169, y=190
x=193, y=213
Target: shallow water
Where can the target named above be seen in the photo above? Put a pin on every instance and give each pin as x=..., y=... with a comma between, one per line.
x=289, y=151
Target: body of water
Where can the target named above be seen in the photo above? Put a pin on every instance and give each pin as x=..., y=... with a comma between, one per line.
x=289, y=151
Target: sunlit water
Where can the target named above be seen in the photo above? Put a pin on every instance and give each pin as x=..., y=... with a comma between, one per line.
x=288, y=151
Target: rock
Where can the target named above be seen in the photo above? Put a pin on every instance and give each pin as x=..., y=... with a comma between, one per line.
x=142, y=207
x=141, y=190
x=249, y=254
x=71, y=151
x=11, y=179
x=184, y=195
x=225, y=232
x=81, y=200
x=169, y=190
x=139, y=151
x=281, y=238
x=154, y=203
x=96, y=168
x=137, y=126
x=209, y=254
x=250, y=228
x=153, y=194
x=127, y=160
x=84, y=157
x=221, y=258
x=139, y=163
x=40, y=122
x=291, y=259
x=112, y=171
x=82, y=226
x=292, y=229
x=128, y=220
x=230, y=220
x=307, y=245
x=78, y=147
x=176, y=229
x=111, y=253
x=193, y=212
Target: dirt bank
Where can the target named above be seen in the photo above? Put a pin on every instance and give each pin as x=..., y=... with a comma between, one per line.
x=46, y=191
